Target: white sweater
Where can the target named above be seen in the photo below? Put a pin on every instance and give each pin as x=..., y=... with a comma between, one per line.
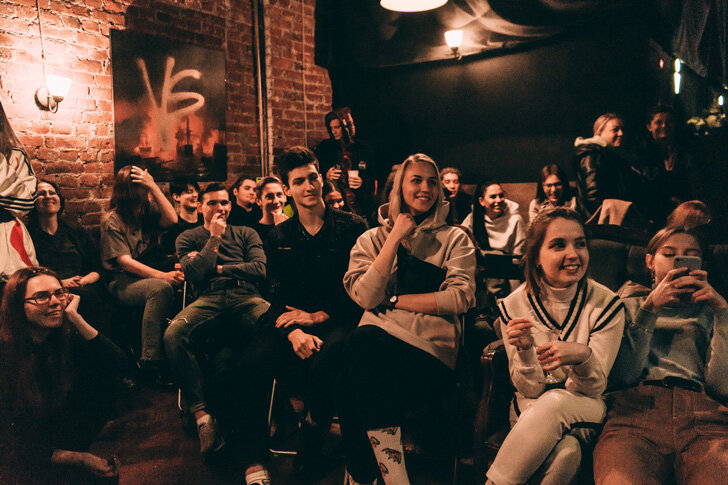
x=506, y=233
x=587, y=313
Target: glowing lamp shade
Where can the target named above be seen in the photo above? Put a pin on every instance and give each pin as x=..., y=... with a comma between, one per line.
x=454, y=38
x=411, y=5
x=58, y=86
x=55, y=89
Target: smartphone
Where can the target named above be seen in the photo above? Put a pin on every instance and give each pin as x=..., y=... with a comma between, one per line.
x=689, y=262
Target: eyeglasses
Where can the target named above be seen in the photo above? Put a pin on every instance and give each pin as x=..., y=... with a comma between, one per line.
x=44, y=297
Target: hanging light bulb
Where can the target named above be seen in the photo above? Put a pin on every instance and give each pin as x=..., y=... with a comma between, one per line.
x=411, y=5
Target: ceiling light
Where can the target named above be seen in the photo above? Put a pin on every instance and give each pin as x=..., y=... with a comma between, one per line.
x=411, y=5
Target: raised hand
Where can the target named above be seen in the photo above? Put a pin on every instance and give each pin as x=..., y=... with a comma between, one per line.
x=142, y=177
x=403, y=227
x=705, y=293
x=217, y=225
x=669, y=290
x=518, y=332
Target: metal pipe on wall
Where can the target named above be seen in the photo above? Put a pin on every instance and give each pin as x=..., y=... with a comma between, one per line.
x=261, y=84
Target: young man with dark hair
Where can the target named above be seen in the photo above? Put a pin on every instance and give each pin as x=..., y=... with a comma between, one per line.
x=225, y=264
x=184, y=194
x=311, y=313
x=244, y=210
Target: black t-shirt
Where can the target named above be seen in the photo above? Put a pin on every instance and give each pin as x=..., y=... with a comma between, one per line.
x=169, y=237
x=69, y=252
x=240, y=217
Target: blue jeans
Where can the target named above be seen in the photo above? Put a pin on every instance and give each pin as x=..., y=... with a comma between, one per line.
x=205, y=316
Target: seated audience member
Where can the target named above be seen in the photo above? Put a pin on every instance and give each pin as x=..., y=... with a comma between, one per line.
x=311, y=314
x=495, y=221
x=333, y=196
x=17, y=191
x=58, y=381
x=461, y=204
x=668, y=419
x=414, y=276
x=225, y=264
x=137, y=270
x=244, y=211
x=272, y=199
x=561, y=333
x=602, y=166
x=69, y=251
x=184, y=193
x=552, y=190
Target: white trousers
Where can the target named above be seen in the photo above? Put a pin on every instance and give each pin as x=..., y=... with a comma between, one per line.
x=542, y=425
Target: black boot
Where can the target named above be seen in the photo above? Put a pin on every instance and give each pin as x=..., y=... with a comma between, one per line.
x=309, y=463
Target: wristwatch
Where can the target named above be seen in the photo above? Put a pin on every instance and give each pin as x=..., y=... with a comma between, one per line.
x=393, y=302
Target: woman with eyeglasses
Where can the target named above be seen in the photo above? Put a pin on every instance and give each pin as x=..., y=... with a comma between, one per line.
x=58, y=378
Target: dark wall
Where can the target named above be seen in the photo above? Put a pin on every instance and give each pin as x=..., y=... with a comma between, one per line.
x=504, y=116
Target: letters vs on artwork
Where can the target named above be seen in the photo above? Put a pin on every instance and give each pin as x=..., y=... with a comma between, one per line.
x=169, y=106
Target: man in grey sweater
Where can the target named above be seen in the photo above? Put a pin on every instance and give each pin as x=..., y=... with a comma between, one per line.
x=225, y=264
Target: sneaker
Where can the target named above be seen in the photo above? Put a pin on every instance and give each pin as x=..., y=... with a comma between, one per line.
x=210, y=437
x=258, y=478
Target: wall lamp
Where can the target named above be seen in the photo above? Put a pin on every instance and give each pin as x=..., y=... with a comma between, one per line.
x=49, y=96
x=454, y=39
x=55, y=89
x=411, y=5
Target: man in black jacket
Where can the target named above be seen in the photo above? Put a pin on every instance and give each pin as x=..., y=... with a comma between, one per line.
x=311, y=313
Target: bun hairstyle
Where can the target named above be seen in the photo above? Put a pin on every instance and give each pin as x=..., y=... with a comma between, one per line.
x=534, y=240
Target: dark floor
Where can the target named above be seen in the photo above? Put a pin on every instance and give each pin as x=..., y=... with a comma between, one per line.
x=153, y=448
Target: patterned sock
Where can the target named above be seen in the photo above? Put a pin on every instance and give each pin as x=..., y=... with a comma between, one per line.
x=387, y=446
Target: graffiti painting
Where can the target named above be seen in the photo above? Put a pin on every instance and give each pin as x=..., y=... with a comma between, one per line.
x=169, y=106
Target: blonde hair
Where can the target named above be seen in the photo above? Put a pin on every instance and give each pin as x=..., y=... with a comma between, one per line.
x=602, y=121
x=395, y=198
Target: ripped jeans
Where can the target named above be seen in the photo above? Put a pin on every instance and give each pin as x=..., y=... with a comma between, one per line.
x=207, y=315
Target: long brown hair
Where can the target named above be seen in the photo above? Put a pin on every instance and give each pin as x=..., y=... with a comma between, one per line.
x=22, y=389
x=130, y=201
x=534, y=240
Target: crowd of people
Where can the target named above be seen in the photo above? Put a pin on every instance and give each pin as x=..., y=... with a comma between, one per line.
x=304, y=276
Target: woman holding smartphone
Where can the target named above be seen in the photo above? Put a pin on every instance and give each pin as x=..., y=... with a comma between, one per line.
x=669, y=418
x=560, y=323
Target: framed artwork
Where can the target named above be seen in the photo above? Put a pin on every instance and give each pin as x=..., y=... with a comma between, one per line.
x=169, y=106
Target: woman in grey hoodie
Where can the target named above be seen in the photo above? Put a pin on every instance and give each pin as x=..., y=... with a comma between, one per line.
x=414, y=276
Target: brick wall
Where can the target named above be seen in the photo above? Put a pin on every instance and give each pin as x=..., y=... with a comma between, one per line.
x=75, y=146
